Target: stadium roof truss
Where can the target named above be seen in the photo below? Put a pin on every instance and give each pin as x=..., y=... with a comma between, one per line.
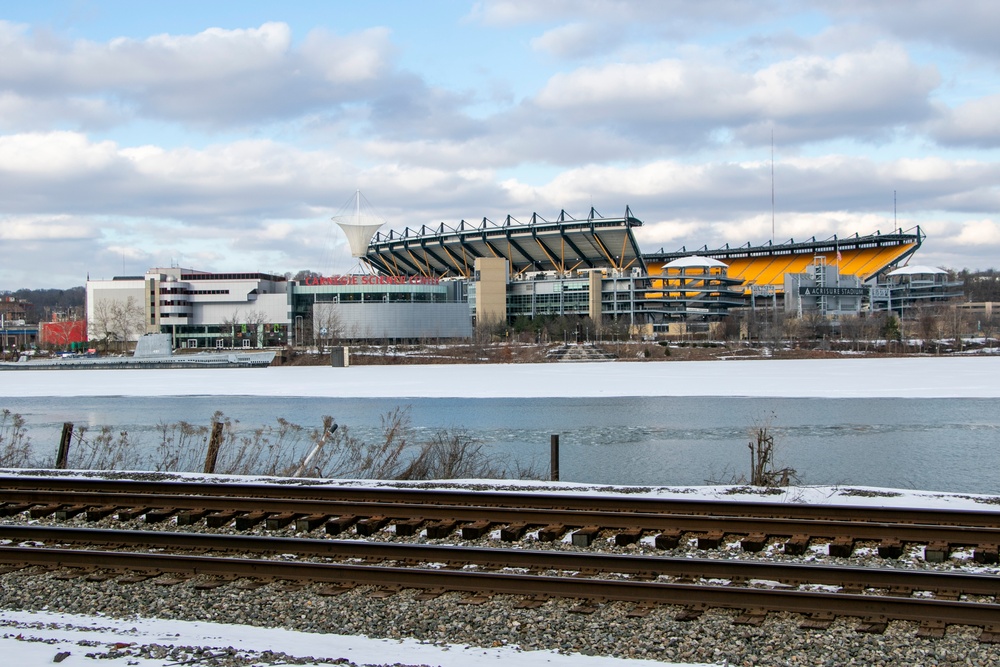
x=564, y=244
x=864, y=256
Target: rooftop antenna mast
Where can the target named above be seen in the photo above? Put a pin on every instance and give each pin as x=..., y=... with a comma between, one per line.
x=894, y=225
x=772, y=186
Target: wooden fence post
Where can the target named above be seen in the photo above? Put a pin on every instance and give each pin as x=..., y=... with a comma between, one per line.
x=554, y=457
x=62, y=458
x=214, y=441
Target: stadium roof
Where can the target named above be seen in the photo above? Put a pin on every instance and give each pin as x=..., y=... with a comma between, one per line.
x=862, y=256
x=563, y=244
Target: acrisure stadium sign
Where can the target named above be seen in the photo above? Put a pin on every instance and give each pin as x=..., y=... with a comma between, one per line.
x=833, y=291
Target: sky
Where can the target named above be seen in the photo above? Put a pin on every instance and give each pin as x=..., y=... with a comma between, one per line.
x=225, y=136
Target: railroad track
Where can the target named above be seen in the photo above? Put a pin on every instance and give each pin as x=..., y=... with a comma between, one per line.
x=474, y=514
x=876, y=595
x=946, y=598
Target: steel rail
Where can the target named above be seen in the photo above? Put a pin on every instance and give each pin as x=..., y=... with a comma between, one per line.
x=535, y=500
x=650, y=566
x=986, y=616
x=782, y=527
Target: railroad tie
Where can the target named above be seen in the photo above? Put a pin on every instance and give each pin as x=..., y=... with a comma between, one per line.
x=752, y=617
x=937, y=552
x=872, y=626
x=340, y=524
x=371, y=525
x=191, y=517
x=220, y=519
x=429, y=594
x=986, y=554
x=551, y=533
x=248, y=521
x=39, y=512
x=641, y=609
x=475, y=530
x=990, y=634
x=710, y=540
x=585, y=536
x=382, y=592
x=931, y=629
x=158, y=515
x=279, y=521
x=337, y=589
x=626, y=537
x=69, y=512
x=797, y=545
x=690, y=613
x=753, y=542
x=841, y=547
x=98, y=513
x=409, y=527
x=532, y=602
x=10, y=509
x=890, y=547
x=211, y=584
x=474, y=599
x=818, y=621
x=513, y=532
x=441, y=529
x=668, y=540
x=132, y=513
x=310, y=522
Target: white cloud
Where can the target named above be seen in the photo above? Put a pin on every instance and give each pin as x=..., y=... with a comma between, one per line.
x=979, y=233
x=973, y=123
x=577, y=40
x=38, y=228
x=210, y=78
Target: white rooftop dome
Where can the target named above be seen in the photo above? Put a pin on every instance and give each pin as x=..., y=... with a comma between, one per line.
x=916, y=269
x=694, y=261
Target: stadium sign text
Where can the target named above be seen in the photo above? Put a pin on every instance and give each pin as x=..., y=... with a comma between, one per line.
x=369, y=280
x=832, y=291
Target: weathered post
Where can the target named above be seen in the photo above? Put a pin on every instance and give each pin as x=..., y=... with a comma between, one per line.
x=62, y=458
x=214, y=441
x=554, y=457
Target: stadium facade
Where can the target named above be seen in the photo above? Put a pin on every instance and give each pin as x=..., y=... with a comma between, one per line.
x=437, y=282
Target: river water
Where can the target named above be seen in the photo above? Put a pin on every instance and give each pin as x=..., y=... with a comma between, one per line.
x=931, y=444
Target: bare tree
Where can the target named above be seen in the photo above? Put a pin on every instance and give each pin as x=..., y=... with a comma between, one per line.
x=851, y=327
x=227, y=327
x=254, y=322
x=328, y=328
x=116, y=322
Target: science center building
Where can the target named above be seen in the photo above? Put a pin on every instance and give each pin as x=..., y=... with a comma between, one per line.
x=437, y=282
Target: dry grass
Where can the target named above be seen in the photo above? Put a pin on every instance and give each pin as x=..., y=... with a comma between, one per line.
x=329, y=452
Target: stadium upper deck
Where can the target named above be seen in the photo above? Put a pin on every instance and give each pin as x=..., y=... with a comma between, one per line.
x=565, y=244
x=568, y=244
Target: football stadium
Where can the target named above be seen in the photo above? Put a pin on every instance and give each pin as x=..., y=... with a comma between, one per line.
x=439, y=282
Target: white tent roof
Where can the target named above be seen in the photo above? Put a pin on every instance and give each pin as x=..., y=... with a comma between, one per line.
x=916, y=269
x=693, y=261
x=359, y=236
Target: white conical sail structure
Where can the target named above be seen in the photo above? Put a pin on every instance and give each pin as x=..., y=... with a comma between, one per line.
x=359, y=233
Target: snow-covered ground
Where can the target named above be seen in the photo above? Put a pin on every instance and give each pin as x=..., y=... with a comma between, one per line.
x=898, y=377
x=38, y=638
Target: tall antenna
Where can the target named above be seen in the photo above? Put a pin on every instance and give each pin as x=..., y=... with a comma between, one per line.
x=772, y=186
x=894, y=225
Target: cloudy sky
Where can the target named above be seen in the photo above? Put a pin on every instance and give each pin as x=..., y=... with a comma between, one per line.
x=224, y=136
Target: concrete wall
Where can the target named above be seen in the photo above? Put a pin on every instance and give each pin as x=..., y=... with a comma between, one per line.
x=357, y=320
